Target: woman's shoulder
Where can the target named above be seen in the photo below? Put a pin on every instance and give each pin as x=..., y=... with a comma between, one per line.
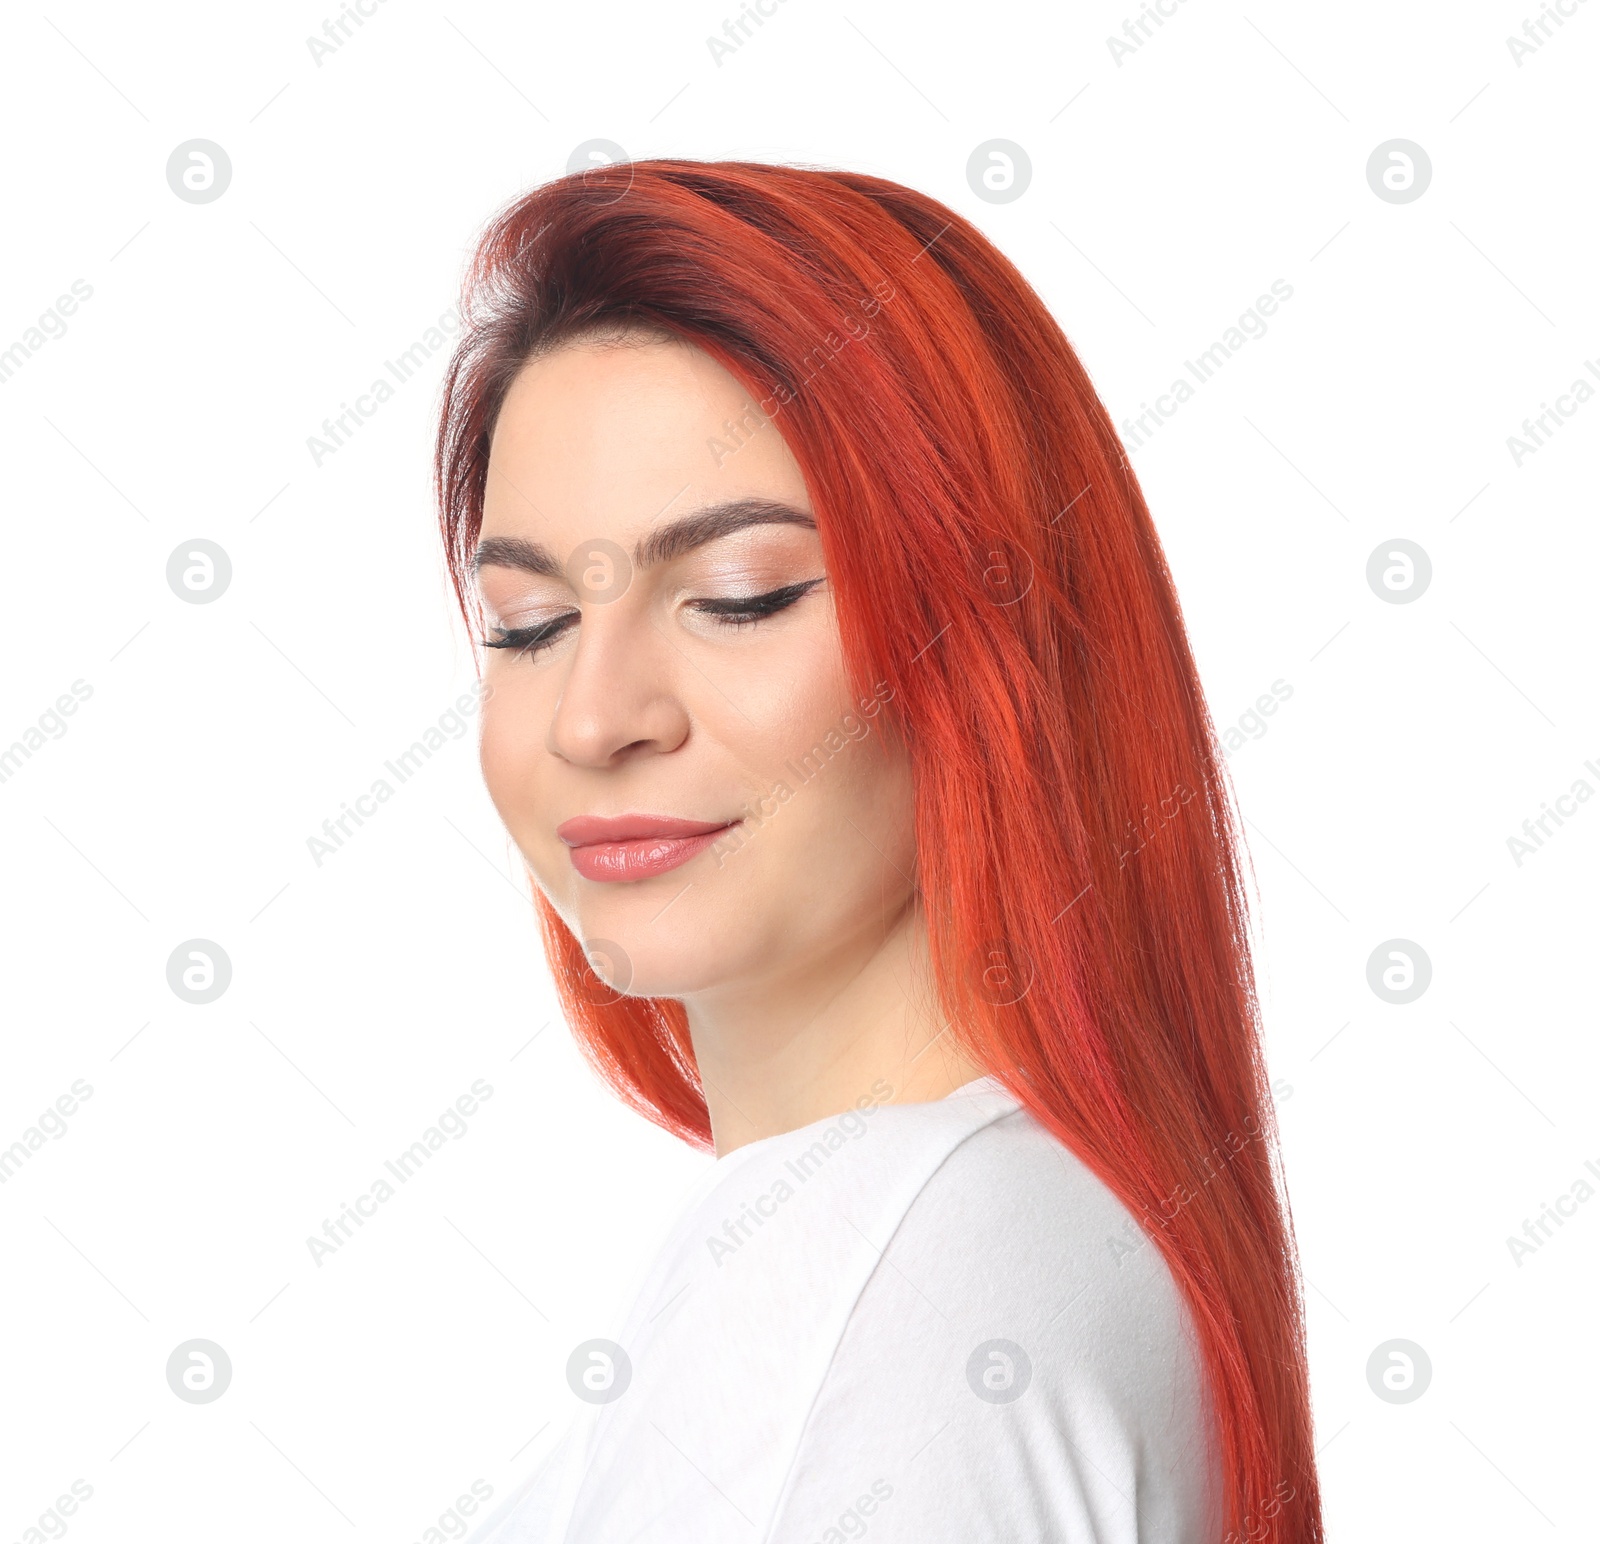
x=1014, y=1207
x=1014, y=1228
x=1020, y=1363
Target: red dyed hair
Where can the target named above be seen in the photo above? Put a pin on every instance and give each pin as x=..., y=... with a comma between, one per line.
x=992, y=557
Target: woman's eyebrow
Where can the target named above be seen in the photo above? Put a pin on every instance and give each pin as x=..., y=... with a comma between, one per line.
x=660, y=546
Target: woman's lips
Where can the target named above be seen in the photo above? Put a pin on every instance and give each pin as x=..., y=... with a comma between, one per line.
x=620, y=847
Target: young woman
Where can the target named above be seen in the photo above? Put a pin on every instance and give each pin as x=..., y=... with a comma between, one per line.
x=843, y=713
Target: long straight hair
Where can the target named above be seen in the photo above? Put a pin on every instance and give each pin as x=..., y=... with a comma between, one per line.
x=991, y=557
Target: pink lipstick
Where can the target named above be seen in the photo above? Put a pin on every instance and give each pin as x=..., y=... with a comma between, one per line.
x=609, y=848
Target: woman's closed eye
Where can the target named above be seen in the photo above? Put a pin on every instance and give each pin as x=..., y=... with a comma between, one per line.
x=726, y=610
x=743, y=610
x=530, y=640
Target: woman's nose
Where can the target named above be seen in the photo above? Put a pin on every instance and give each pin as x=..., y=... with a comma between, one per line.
x=620, y=697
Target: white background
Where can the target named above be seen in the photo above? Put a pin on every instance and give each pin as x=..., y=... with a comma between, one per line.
x=1167, y=193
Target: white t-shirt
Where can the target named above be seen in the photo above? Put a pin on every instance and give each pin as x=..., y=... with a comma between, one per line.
x=912, y=1324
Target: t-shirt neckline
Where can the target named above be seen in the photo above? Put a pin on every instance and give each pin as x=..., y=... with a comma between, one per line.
x=985, y=1083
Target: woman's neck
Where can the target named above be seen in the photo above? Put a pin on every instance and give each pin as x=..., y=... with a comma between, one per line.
x=860, y=1026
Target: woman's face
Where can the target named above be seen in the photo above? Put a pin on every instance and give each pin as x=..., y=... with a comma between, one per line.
x=670, y=738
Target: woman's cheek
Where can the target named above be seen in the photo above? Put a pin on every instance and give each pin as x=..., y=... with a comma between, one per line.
x=796, y=701
x=510, y=751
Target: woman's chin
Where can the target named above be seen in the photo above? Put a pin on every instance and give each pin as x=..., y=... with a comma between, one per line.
x=638, y=962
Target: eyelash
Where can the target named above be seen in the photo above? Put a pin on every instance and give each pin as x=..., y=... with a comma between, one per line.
x=731, y=611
